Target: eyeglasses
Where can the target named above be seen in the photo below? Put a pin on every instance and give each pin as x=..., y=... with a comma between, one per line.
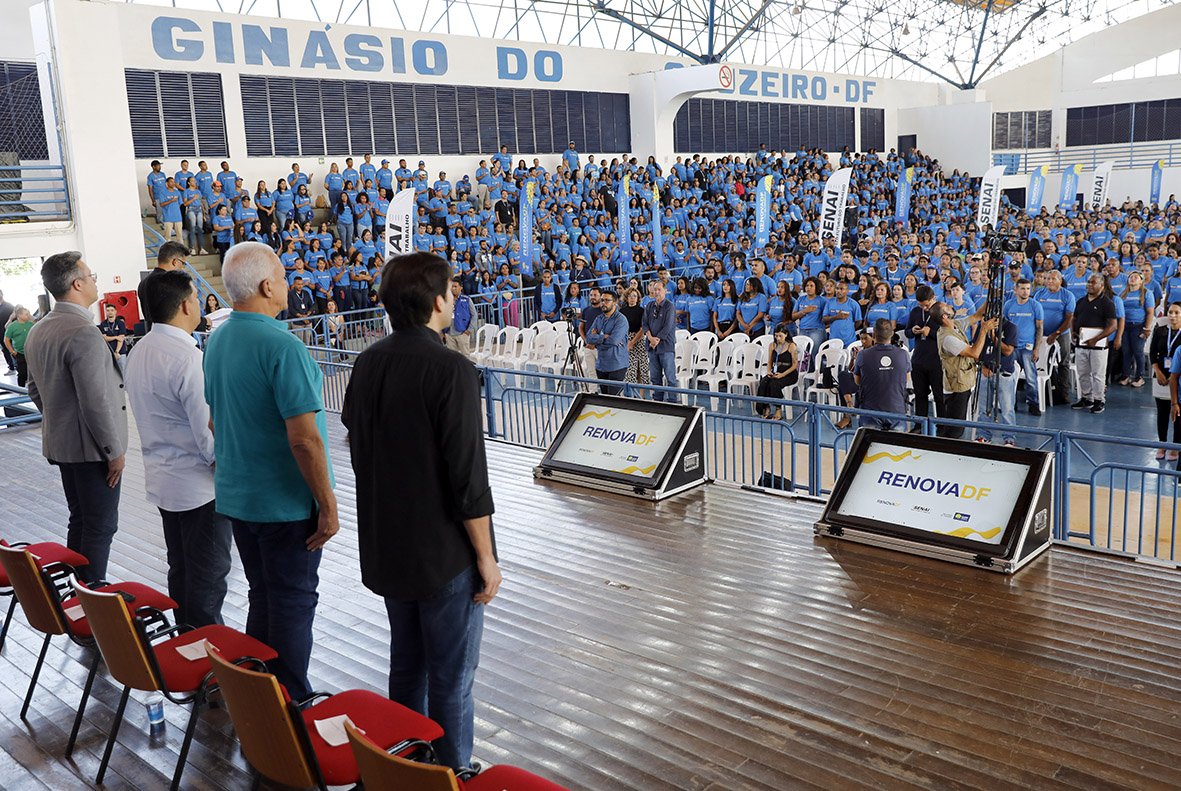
x=93, y=276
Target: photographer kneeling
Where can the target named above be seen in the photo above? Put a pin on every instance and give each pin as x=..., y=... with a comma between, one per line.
x=958, y=358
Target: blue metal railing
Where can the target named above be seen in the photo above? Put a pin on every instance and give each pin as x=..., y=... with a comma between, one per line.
x=204, y=289
x=1125, y=156
x=16, y=408
x=33, y=193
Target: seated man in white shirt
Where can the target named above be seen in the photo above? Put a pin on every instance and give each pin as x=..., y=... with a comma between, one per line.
x=166, y=387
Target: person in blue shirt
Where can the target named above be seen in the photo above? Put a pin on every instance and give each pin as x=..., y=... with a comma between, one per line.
x=342, y=284
x=296, y=177
x=367, y=247
x=182, y=176
x=156, y=181
x=607, y=335
x=700, y=307
x=303, y=205
x=350, y=173
x=547, y=297
x=367, y=171
x=726, y=310
x=1138, y=310
x=194, y=217
x=808, y=313
x=264, y=204
x=1028, y=316
x=880, y=307
x=223, y=230
x=842, y=315
x=779, y=307
x=752, y=309
x=570, y=159
x=244, y=216
x=334, y=183
x=228, y=179
x=346, y=222
x=321, y=281
x=169, y=207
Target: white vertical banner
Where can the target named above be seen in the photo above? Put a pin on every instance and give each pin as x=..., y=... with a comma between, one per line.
x=832, y=207
x=1099, y=182
x=990, y=197
x=399, y=225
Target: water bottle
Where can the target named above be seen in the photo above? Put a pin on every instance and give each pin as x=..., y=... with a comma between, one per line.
x=155, y=707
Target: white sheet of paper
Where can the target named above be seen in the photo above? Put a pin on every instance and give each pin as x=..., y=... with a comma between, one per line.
x=1087, y=333
x=331, y=729
x=195, y=651
x=74, y=613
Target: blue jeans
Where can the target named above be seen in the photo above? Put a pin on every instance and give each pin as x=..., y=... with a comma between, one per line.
x=283, y=576
x=344, y=232
x=1024, y=360
x=333, y=199
x=1133, y=348
x=198, y=543
x=94, y=514
x=1006, y=403
x=434, y=652
x=662, y=370
x=194, y=225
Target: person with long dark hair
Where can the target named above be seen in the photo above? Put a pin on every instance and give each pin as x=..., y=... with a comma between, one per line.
x=1166, y=341
x=783, y=371
x=726, y=310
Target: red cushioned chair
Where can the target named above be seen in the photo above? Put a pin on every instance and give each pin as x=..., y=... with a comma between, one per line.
x=42, y=592
x=45, y=554
x=151, y=663
x=381, y=771
x=281, y=741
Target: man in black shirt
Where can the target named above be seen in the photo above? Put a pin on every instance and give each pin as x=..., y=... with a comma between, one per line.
x=424, y=504
x=926, y=369
x=1094, y=321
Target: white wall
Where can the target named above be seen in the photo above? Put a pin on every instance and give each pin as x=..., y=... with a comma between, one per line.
x=959, y=135
x=16, y=34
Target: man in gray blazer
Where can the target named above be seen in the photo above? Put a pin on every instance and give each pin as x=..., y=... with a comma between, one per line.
x=75, y=381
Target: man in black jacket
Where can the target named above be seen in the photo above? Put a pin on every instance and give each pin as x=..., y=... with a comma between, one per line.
x=926, y=373
x=424, y=504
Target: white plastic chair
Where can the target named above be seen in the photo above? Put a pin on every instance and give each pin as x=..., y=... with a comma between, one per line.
x=746, y=369
x=682, y=335
x=515, y=349
x=722, y=371
x=485, y=343
x=813, y=375
x=561, y=326
x=1047, y=361
x=803, y=349
x=542, y=325
x=506, y=339
x=684, y=362
x=558, y=356
x=832, y=358
x=703, y=352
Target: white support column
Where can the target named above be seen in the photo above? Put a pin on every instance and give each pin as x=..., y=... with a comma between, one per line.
x=96, y=136
x=657, y=96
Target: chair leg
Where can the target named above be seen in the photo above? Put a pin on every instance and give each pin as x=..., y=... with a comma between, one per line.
x=7, y=622
x=102, y=767
x=194, y=715
x=36, y=673
x=83, y=702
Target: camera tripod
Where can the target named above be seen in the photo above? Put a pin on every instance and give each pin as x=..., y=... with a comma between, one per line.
x=993, y=309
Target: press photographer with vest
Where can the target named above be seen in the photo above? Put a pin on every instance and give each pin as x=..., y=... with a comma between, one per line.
x=958, y=357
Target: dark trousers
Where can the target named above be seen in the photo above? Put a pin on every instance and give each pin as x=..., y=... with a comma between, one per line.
x=955, y=406
x=927, y=377
x=198, y=543
x=283, y=576
x=94, y=514
x=22, y=370
x=434, y=652
x=1165, y=423
x=8, y=358
x=611, y=376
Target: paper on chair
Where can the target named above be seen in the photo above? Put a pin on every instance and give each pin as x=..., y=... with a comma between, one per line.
x=331, y=729
x=74, y=613
x=195, y=651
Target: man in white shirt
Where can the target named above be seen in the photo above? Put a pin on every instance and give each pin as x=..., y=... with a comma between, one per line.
x=166, y=387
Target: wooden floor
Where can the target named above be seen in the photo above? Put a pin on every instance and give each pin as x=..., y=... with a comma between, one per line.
x=708, y=642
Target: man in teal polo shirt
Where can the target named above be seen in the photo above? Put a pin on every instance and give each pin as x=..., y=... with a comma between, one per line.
x=273, y=479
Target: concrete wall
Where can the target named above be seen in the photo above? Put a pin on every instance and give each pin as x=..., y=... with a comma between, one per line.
x=957, y=132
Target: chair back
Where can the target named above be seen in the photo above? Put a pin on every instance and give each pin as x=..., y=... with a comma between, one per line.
x=485, y=338
x=263, y=721
x=381, y=771
x=37, y=598
x=119, y=641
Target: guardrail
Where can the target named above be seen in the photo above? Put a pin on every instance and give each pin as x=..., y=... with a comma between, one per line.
x=1125, y=156
x=16, y=408
x=1102, y=503
x=33, y=193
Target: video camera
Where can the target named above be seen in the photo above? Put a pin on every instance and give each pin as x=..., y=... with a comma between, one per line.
x=998, y=243
x=571, y=314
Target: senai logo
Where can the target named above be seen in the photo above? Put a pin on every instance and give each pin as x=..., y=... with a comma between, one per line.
x=965, y=491
x=617, y=435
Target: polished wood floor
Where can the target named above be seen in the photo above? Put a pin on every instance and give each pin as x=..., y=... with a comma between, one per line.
x=708, y=643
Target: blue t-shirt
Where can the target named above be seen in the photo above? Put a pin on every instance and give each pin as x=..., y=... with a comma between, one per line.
x=844, y=328
x=1025, y=317
x=700, y=310
x=1134, y=312
x=258, y=375
x=1055, y=306
x=811, y=321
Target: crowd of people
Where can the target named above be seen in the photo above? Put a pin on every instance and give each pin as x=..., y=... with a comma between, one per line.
x=693, y=229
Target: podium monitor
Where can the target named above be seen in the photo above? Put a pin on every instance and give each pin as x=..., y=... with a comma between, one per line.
x=647, y=449
x=968, y=502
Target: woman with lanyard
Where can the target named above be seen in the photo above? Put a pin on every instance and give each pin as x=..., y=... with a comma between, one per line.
x=1139, y=305
x=1162, y=352
x=752, y=308
x=783, y=371
x=637, y=349
x=700, y=307
x=725, y=311
x=808, y=311
x=881, y=307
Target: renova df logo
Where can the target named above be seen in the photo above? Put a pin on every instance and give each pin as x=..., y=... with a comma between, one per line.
x=922, y=483
x=618, y=435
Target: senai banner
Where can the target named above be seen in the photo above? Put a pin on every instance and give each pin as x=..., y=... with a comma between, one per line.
x=902, y=197
x=399, y=216
x=657, y=231
x=763, y=213
x=1158, y=172
x=1099, y=182
x=1035, y=193
x=623, y=198
x=1069, y=191
x=990, y=197
x=832, y=208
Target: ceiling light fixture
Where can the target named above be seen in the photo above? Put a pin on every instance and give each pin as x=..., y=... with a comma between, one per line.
x=796, y=10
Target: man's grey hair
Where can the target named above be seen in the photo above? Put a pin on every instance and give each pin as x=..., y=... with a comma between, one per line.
x=59, y=272
x=246, y=265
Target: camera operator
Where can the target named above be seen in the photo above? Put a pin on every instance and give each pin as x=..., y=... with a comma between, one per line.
x=958, y=358
x=608, y=337
x=547, y=297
